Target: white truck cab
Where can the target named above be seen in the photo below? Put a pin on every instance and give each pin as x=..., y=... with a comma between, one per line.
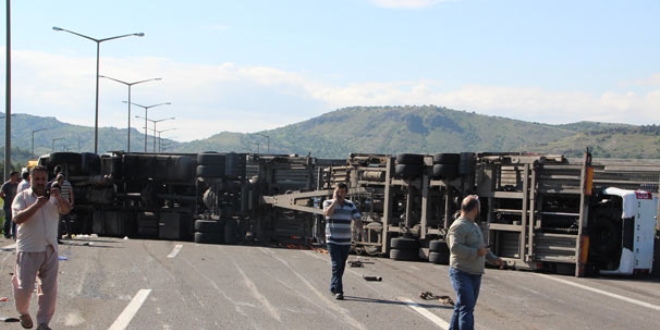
x=638, y=221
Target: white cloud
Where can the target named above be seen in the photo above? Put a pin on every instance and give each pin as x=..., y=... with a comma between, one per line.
x=208, y=99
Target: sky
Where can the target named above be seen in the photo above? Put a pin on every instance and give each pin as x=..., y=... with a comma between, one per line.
x=254, y=65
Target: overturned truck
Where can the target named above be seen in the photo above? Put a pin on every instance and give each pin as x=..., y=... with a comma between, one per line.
x=539, y=211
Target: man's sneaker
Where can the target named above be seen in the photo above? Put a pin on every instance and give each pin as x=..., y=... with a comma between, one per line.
x=339, y=296
x=26, y=321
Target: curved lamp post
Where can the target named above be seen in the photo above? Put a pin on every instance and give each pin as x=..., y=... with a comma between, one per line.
x=155, y=122
x=163, y=131
x=268, y=140
x=146, y=109
x=34, y=131
x=98, y=50
x=128, y=144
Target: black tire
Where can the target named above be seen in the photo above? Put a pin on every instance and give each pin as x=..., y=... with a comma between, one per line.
x=408, y=171
x=65, y=158
x=404, y=243
x=412, y=159
x=230, y=231
x=604, y=234
x=404, y=255
x=211, y=171
x=446, y=158
x=210, y=158
x=207, y=238
x=445, y=171
x=208, y=226
x=438, y=245
x=440, y=258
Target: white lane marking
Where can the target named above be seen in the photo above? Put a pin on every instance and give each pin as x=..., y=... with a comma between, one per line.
x=129, y=312
x=10, y=247
x=175, y=251
x=421, y=310
x=609, y=294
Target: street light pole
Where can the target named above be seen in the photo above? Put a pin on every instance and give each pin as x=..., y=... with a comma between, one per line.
x=155, y=122
x=163, y=131
x=98, y=51
x=128, y=144
x=52, y=148
x=146, y=109
x=34, y=131
x=268, y=140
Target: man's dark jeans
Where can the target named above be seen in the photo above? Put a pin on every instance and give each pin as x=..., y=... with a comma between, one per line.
x=467, y=287
x=338, y=256
x=9, y=226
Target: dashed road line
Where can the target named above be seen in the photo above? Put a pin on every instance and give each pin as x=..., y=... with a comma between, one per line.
x=129, y=312
x=175, y=251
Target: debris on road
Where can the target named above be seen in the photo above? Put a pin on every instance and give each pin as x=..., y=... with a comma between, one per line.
x=372, y=278
x=445, y=300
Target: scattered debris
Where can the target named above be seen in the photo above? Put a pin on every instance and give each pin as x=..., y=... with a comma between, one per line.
x=445, y=300
x=4, y=299
x=358, y=263
x=372, y=278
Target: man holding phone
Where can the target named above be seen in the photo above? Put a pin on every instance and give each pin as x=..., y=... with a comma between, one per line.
x=468, y=254
x=339, y=212
x=37, y=214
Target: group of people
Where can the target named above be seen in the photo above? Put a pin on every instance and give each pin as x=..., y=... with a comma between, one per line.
x=468, y=251
x=35, y=213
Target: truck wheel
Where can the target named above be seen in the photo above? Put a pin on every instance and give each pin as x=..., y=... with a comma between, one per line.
x=413, y=159
x=404, y=243
x=445, y=171
x=408, y=171
x=405, y=255
x=208, y=226
x=440, y=258
x=438, y=245
x=230, y=231
x=210, y=171
x=446, y=158
x=207, y=238
x=605, y=234
x=210, y=158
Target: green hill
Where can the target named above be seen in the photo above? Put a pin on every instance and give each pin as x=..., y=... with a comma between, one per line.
x=386, y=130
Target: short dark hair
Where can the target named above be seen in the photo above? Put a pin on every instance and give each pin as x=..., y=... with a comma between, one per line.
x=342, y=185
x=39, y=168
x=12, y=173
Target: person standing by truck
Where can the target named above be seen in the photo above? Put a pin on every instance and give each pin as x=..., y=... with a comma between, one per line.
x=339, y=213
x=37, y=213
x=7, y=193
x=66, y=190
x=468, y=253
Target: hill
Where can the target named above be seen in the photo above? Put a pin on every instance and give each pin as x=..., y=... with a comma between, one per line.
x=386, y=130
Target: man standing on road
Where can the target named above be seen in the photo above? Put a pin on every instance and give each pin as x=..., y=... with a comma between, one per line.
x=36, y=216
x=467, y=262
x=66, y=190
x=7, y=193
x=338, y=215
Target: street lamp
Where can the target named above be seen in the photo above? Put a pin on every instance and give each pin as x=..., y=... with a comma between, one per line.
x=146, y=109
x=128, y=144
x=267, y=137
x=34, y=131
x=98, y=50
x=154, y=122
x=163, y=131
x=52, y=148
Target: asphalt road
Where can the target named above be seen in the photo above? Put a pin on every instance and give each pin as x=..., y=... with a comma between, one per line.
x=111, y=283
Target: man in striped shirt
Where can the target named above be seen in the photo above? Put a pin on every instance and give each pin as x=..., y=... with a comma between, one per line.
x=66, y=190
x=339, y=212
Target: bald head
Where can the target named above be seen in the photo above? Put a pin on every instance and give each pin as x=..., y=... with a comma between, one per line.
x=470, y=207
